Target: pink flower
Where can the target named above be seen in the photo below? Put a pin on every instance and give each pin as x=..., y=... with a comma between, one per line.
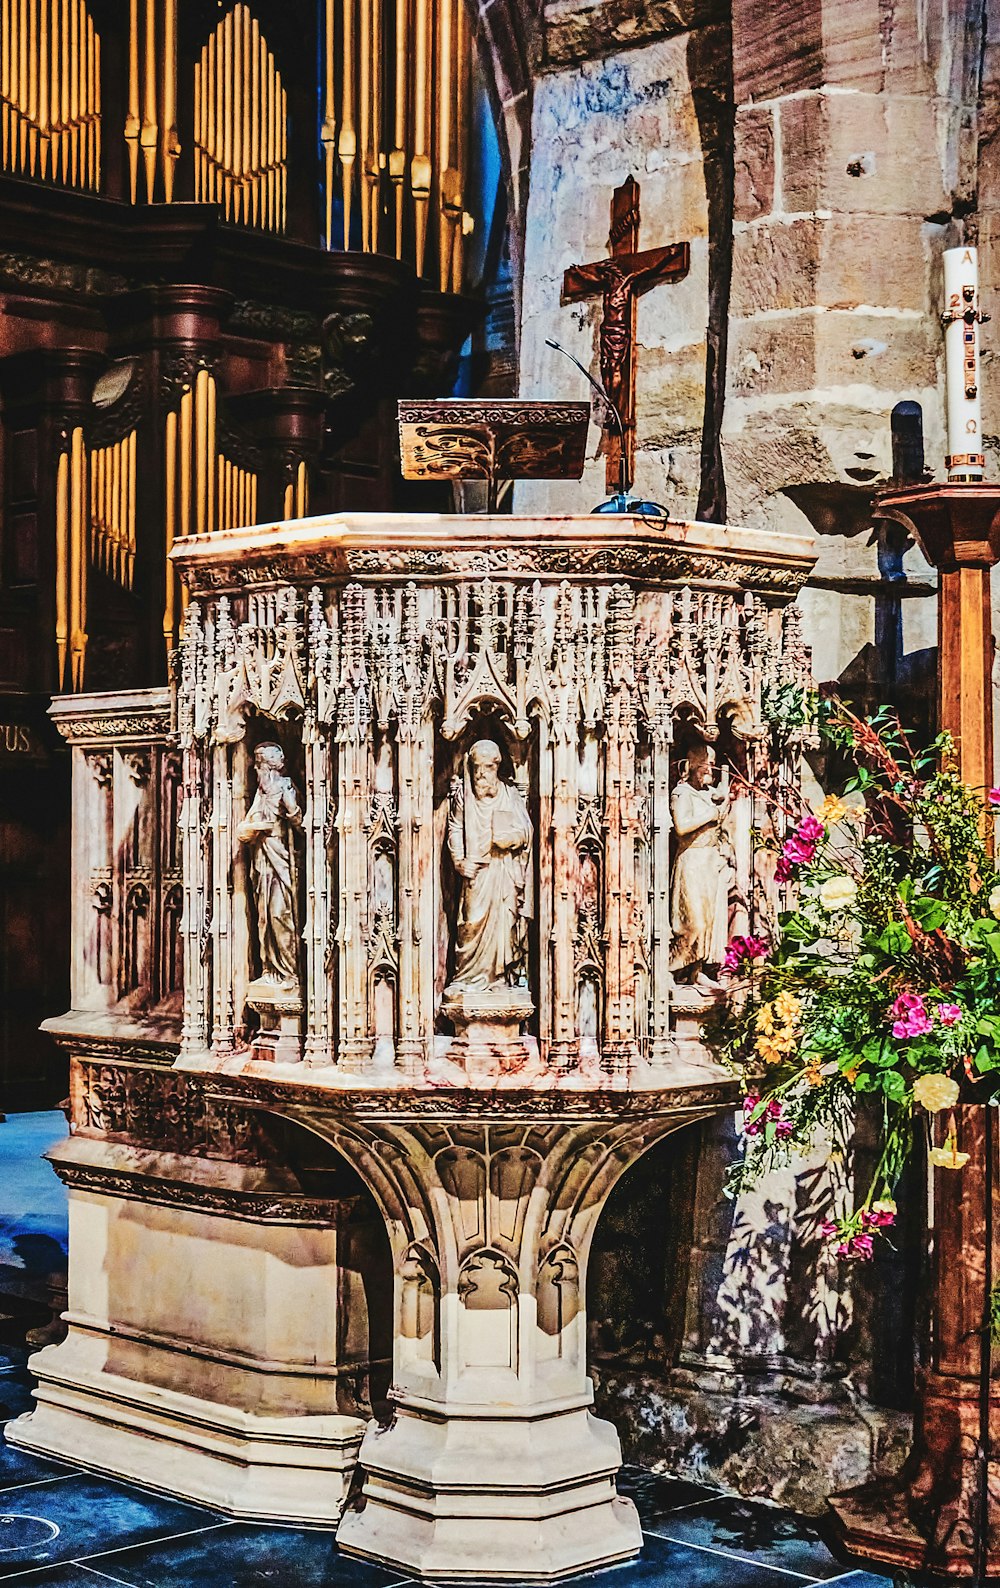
x=994, y=796
x=770, y=1115
x=878, y=1218
x=910, y=1017
x=810, y=829
x=742, y=950
x=783, y=871
x=751, y=1127
x=949, y=1014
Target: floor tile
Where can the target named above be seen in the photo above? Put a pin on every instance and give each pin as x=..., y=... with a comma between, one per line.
x=657, y=1495
x=64, y=1577
x=754, y=1532
x=15, y=1394
x=860, y=1579
x=52, y=1523
x=19, y=1466
x=240, y=1555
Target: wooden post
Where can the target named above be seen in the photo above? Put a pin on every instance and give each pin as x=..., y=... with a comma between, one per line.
x=929, y=1517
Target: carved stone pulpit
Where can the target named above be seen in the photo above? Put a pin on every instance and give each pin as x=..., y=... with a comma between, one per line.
x=427, y=866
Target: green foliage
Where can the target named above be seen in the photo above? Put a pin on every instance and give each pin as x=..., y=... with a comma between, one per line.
x=886, y=964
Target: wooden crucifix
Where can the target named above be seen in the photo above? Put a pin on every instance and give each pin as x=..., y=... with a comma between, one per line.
x=620, y=279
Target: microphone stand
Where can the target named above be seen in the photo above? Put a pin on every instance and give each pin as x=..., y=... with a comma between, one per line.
x=622, y=501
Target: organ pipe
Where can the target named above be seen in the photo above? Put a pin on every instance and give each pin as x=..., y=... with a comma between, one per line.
x=240, y=124
x=50, y=92
x=205, y=489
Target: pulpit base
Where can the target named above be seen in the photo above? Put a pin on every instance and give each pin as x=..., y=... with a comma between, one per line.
x=470, y=1495
x=272, y=1469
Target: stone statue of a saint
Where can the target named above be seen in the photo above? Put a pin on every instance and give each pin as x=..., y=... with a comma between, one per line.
x=489, y=839
x=704, y=872
x=268, y=830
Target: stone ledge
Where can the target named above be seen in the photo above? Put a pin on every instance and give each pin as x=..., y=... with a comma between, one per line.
x=759, y=1445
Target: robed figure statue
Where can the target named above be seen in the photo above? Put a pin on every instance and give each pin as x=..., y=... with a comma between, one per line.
x=268, y=829
x=489, y=839
x=704, y=872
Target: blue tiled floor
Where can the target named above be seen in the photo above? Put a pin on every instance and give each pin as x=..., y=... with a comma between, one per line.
x=68, y=1529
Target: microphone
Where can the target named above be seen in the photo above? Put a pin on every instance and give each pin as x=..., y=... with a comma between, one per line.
x=621, y=502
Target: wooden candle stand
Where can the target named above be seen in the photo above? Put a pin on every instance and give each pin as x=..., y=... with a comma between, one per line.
x=930, y=1517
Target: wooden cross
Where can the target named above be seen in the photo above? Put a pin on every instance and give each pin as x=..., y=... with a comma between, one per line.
x=620, y=280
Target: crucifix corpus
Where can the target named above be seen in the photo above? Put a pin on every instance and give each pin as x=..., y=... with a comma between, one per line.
x=620, y=280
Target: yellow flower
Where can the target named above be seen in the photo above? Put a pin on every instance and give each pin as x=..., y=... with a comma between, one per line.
x=832, y=810
x=935, y=1092
x=994, y=902
x=838, y=893
x=765, y=1019
x=787, y=1008
x=851, y=1075
x=814, y=1075
x=948, y=1157
x=769, y=1051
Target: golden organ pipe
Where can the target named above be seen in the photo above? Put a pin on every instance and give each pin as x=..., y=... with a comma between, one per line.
x=217, y=78
x=149, y=131
x=186, y=433
x=22, y=83
x=347, y=142
x=91, y=97
x=227, y=111
x=328, y=130
x=64, y=70
x=255, y=47
x=420, y=166
x=5, y=32
x=210, y=394
x=397, y=155
x=77, y=561
x=253, y=498
x=201, y=463
x=284, y=158
x=366, y=67
x=131, y=505
x=445, y=92
x=378, y=157
x=97, y=111
x=288, y=507
x=32, y=105
x=237, y=114
x=171, y=145
x=62, y=565
x=169, y=528
x=246, y=170
x=43, y=88
x=132, y=119
x=198, y=153
x=464, y=57
x=74, y=89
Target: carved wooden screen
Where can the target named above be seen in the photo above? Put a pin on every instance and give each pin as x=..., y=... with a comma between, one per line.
x=50, y=92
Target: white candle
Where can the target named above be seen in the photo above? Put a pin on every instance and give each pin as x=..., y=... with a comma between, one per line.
x=961, y=354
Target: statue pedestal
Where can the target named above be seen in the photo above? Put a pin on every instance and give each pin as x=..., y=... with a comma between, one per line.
x=280, y=1011
x=488, y=1041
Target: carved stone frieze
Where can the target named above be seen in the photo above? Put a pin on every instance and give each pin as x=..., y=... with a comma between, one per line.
x=167, y=1110
x=258, y=1207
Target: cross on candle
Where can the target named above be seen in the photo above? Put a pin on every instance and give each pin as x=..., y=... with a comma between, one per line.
x=962, y=320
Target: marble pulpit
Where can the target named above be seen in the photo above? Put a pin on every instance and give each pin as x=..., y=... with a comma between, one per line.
x=391, y=871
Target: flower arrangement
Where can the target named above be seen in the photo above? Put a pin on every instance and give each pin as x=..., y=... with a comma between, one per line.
x=883, y=976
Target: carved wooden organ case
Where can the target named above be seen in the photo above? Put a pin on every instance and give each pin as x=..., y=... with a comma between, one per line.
x=376, y=684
